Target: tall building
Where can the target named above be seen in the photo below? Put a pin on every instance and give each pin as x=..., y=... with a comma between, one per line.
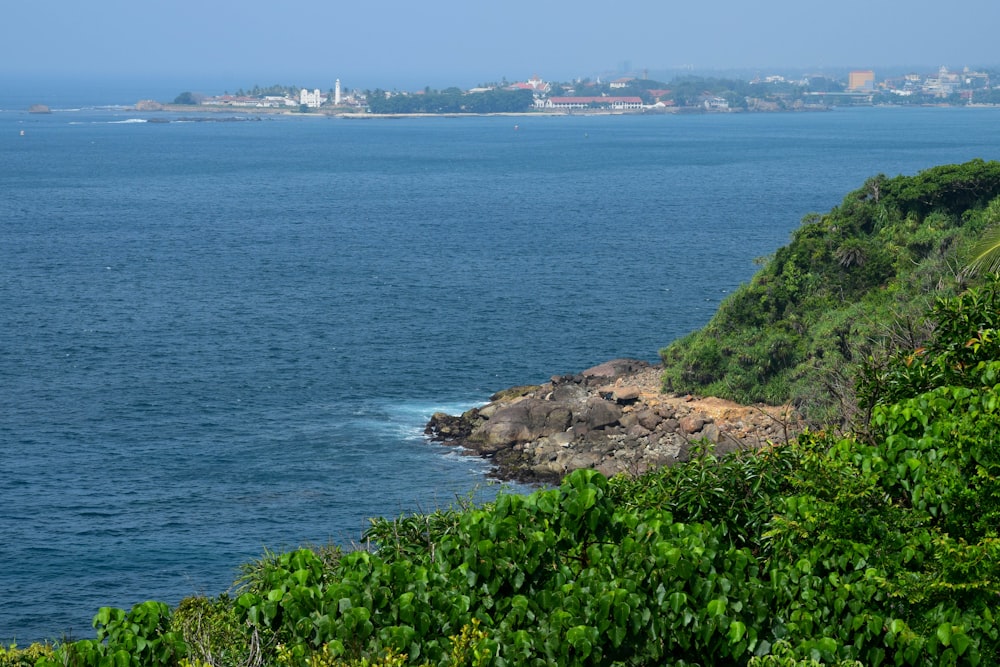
x=863, y=80
x=336, y=93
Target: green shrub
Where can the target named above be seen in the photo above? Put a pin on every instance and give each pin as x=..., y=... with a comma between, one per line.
x=12, y=656
x=140, y=637
x=214, y=634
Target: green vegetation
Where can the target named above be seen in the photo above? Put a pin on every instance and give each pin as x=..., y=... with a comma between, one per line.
x=188, y=98
x=12, y=656
x=852, y=282
x=986, y=253
x=275, y=89
x=452, y=100
x=691, y=91
x=875, y=548
x=688, y=91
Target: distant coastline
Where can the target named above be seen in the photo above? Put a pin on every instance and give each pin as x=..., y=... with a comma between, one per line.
x=147, y=106
x=628, y=94
x=219, y=112
x=367, y=115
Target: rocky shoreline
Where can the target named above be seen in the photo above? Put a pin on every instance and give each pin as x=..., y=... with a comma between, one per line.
x=612, y=418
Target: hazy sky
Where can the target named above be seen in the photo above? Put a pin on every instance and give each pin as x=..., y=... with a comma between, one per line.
x=410, y=43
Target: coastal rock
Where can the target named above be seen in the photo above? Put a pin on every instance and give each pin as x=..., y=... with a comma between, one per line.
x=447, y=428
x=598, y=413
x=569, y=393
x=711, y=433
x=148, y=105
x=615, y=368
x=611, y=417
x=521, y=421
x=691, y=424
x=626, y=395
x=648, y=418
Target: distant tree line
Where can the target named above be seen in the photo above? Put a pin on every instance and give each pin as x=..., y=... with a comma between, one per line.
x=276, y=90
x=690, y=91
x=451, y=100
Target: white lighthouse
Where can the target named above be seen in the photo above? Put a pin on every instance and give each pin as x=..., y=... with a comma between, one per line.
x=336, y=93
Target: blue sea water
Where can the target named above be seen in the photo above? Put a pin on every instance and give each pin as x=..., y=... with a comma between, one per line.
x=225, y=337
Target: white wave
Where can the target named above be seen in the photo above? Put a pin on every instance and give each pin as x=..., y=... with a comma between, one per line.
x=404, y=420
x=425, y=409
x=129, y=120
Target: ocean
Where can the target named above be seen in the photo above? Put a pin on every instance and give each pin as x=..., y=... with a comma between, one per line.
x=221, y=338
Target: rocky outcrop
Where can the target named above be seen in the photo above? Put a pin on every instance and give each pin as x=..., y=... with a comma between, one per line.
x=611, y=417
x=148, y=105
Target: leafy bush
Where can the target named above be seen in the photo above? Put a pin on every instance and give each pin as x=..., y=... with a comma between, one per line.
x=565, y=576
x=12, y=656
x=896, y=531
x=140, y=637
x=736, y=494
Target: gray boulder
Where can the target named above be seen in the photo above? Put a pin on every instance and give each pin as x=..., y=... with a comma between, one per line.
x=598, y=413
x=523, y=421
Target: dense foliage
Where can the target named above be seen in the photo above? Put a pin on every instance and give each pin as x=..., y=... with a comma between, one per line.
x=12, y=656
x=879, y=548
x=453, y=100
x=851, y=282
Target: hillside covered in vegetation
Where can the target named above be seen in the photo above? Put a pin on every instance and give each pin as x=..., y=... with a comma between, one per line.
x=853, y=282
x=880, y=547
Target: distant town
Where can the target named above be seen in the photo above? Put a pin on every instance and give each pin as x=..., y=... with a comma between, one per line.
x=634, y=93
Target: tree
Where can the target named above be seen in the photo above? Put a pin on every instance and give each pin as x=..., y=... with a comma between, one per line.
x=986, y=252
x=187, y=98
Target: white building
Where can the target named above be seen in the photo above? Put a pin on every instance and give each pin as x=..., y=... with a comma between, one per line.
x=716, y=104
x=312, y=100
x=278, y=101
x=604, y=102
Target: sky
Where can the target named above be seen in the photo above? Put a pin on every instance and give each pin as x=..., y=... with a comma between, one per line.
x=216, y=45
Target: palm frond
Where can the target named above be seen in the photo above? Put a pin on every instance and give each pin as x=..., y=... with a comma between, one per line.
x=986, y=253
